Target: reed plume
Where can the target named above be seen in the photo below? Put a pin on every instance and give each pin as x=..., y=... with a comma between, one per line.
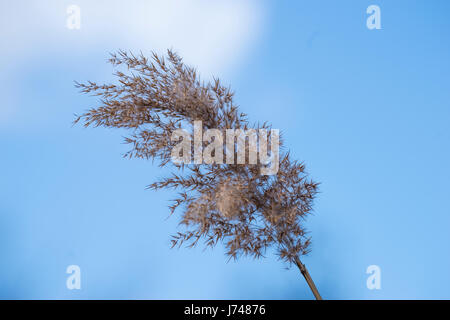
x=229, y=203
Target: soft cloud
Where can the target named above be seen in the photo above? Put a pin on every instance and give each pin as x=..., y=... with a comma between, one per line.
x=210, y=34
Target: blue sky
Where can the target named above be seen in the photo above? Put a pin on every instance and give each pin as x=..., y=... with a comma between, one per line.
x=366, y=110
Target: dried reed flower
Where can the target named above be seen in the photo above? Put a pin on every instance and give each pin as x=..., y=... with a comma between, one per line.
x=230, y=199
x=232, y=203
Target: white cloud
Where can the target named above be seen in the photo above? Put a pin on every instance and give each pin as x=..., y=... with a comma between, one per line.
x=213, y=35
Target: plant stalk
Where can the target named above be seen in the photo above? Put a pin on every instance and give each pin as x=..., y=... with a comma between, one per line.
x=308, y=278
